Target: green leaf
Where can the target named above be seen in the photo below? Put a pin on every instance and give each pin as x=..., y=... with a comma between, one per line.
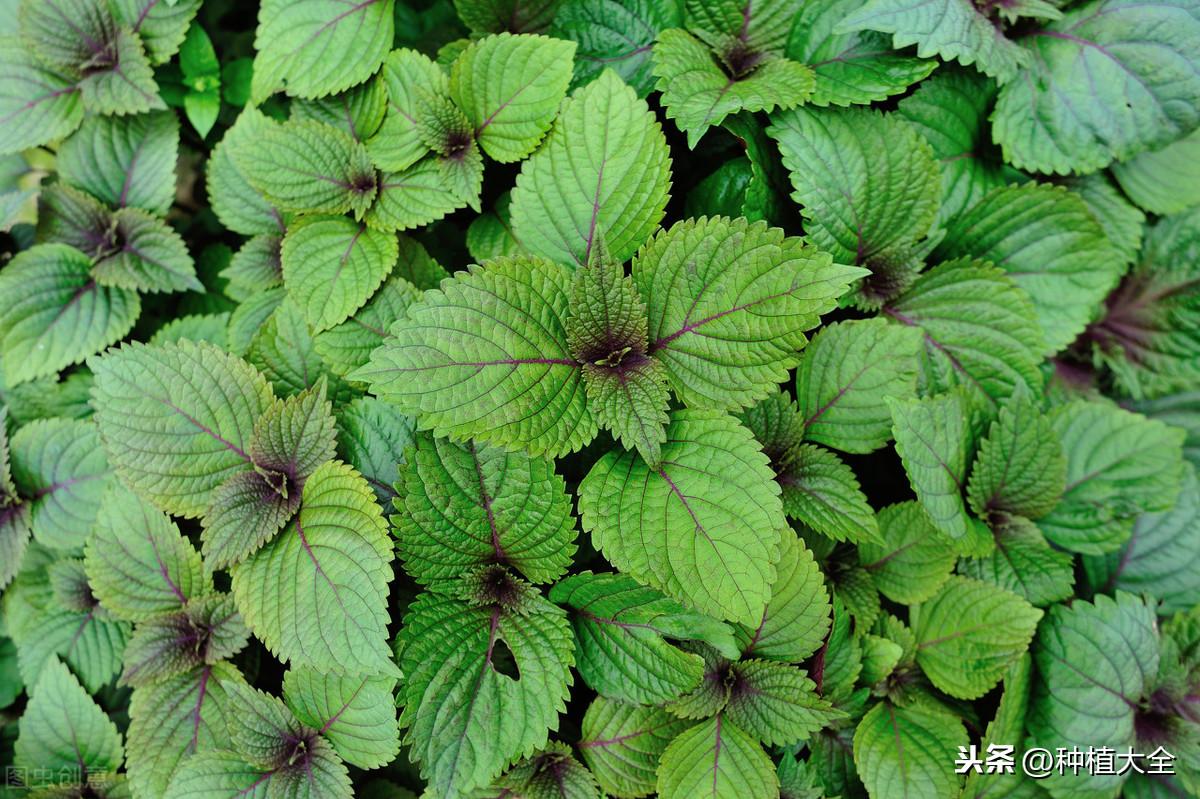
x=236, y=202
x=956, y=30
x=373, y=437
x=357, y=715
x=1108, y=80
x=37, y=104
x=254, y=268
x=490, y=234
x=64, y=728
x=56, y=314
x=851, y=68
x=486, y=387
x=451, y=656
x=426, y=192
x=969, y=633
x=358, y=111
x=717, y=760
x=617, y=35
x=138, y=564
x=622, y=744
x=868, y=182
x=845, y=377
x=152, y=256
x=160, y=26
x=728, y=305
x=332, y=266
x=776, y=703
x=703, y=526
x=316, y=594
x=60, y=465
x=202, y=109
x=410, y=78
x=604, y=168
x=310, y=167
x=348, y=346
x=1093, y=662
x=699, y=92
x=980, y=329
x=551, y=774
x=1007, y=725
x=906, y=751
x=207, y=631
x=510, y=88
x=124, y=162
x=622, y=628
x=1163, y=181
x=174, y=721
x=312, y=48
x=913, y=560
x=221, y=774
x=123, y=82
x=1049, y=243
x=1158, y=556
x=467, y=505
x=950, y=110
x=1123, y=222
x=284, y=351
x=796, y=619
x=176, y=419
x=1024, y=563
x=490, y=16
x=822, y=492
x=936, y=439
x=1119, y=464
x=1021, y=468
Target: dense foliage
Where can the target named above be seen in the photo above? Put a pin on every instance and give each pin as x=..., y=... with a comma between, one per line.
x=569, y=398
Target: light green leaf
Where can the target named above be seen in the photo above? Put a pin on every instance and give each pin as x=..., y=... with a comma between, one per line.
x=485, y=387
x=175, y=720
x=448, y=654
x=348, y=346
x=776, y=703
x=868, y=182
x=617, y=35
x=936, y=439
x=254, y=268
x=728, y=305
x=150, y=256
x=510, y=88
x=1123, y=222
x=161, y=26
x=956, y=30
x=913, y=560
x=373, y=437
x=64, y=728
x=717, y=554
x=60, y=465
x=969, y=633
x=1021, y=468
x=980, y=329
x=123, y=80
x=622, y=628
x=1007, y=725
x=319, y=774
x=1049, y=243
x=1024, y=563
x=1108, y=80
x=822, y=492
x=235, y=201
x=908, y=751
x=356, y=714
x=317, y=593
x=845, y=377
x=699, y=92
x=467, y=505
x=138, y=564
x=716, y=760
x=950, y=111
x=1119, y=464
x=426, y=192
x=284, y=351
x=410, y=78
x=490, y=16
x=310, y=167
x=490, y=234
x=1163, y=181
x=124, y=162
x=1093, y=663
x=796, y=619
x=311, y=48
x=176, y=419
x=55, y=314
x=332, y=266
x=550, y=774
x=207, y=631
x=604, y=168
x=850, y=68
x=761, y=27
x=37, y=104
x=359, y=111
x=622, y=744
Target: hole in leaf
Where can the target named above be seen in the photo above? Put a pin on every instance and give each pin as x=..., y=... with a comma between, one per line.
x=503, y=661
